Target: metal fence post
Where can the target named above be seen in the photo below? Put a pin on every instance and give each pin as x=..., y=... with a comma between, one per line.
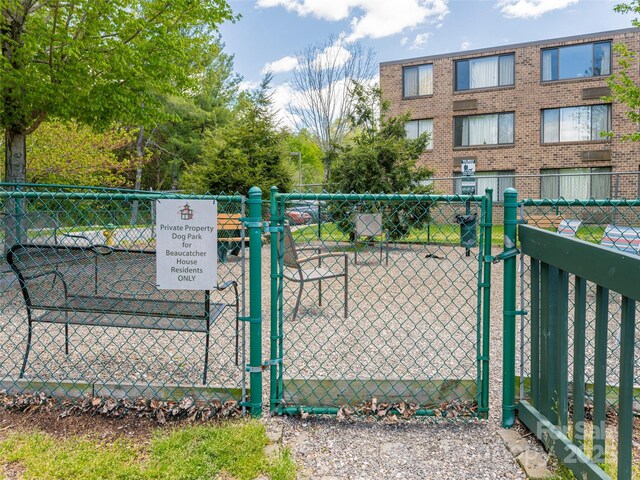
x=509, y=309
x=254, y=223
x=487, y=223
x=274, y=396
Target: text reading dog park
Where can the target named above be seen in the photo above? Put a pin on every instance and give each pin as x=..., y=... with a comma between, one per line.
x=186, y=238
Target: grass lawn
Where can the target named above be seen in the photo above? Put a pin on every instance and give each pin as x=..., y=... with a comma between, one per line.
x=227, y=451
x=437, y=234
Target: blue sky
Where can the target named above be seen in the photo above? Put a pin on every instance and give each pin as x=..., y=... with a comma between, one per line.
x=271, y=32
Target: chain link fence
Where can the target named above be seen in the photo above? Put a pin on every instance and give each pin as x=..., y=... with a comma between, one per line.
x=81, y=314
x=380, y=304
x=610, y=222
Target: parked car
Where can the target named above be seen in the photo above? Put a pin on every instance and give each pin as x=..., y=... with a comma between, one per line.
x=306, y=211
x=297, y=217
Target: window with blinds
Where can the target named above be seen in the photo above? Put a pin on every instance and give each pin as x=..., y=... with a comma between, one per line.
x=417, y=80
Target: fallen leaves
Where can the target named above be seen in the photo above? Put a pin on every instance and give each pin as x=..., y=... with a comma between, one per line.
x=160, y=410
x=393, y=412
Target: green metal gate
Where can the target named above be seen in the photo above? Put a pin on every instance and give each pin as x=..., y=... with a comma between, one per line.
x=380, y=304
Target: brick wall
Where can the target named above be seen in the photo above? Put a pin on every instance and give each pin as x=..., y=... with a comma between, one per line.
x=526, y=98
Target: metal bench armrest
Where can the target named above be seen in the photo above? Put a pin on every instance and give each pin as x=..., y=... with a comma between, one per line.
x=321, y=256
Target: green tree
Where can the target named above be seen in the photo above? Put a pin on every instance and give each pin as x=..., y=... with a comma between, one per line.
x=310, y=156
x=249, y=150
x=378, y=157
x=178, y=142
x=73, y=154
x=624, y=88
x=97, y=61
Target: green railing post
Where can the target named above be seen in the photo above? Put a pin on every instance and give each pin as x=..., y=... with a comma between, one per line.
x=487, y=225
x=254, y=224
x=274, y=396
x=509, y=309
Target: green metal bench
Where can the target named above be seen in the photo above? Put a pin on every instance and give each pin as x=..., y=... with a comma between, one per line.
x=108, y=287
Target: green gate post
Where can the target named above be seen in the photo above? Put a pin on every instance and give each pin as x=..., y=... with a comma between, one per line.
x=274, y=395
x=486, y=224
x=254, y=224
x=509, y=309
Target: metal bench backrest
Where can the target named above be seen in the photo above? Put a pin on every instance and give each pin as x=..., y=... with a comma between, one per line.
x=569, y=228
x=625, y=239
x=95, y=270
x=290, y=254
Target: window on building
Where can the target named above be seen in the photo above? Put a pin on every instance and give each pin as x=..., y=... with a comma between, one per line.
x=576, y=183
x=417, y=80
x=493, y=129
x=415, y=128
x=496, y=71
x=575, y=124
x=576, y=61
x=499, y=181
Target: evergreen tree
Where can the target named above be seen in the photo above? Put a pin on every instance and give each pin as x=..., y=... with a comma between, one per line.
x=249, y=150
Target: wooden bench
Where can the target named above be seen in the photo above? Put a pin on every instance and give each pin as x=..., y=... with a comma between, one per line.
x=544, y=221
x=625, y=239
x=109, y=287
x=230, y=238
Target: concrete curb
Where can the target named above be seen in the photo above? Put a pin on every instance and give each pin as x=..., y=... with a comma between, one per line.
x=532, y=462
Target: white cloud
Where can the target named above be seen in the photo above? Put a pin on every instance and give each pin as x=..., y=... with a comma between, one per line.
x=332, y=10
x=248, y=85
x=420, y=40
x=369, y=18
x=285, y=64
x=284, y=96
x=465, y=45
x=333, y=56
x=531, y=8
x=403, y=41
x=281, y=97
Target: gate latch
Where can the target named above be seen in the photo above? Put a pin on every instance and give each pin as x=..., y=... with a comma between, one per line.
x=511, y=252
x=264, y=366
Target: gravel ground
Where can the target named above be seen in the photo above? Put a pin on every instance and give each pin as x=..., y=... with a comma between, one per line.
x=327, y=448
x=422, y=324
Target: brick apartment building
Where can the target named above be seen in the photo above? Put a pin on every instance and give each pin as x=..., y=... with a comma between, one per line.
x=526, y=109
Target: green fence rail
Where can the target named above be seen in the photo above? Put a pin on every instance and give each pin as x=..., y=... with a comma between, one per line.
x=613, y=222
x=82, y=315
x=373, y=297
x=578, y=332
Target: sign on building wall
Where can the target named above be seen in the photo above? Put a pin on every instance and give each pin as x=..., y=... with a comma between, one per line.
x=468, y=180
x=186, y=244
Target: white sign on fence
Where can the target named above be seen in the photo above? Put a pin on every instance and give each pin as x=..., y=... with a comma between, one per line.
x=186, y=244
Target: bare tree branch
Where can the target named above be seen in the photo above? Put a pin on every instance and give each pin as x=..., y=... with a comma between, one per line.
x=321, y=81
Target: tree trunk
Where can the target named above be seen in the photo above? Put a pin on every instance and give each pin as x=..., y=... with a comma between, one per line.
x=138, y=182
x=15, y=228
x=15, y=163
x=327, y=161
